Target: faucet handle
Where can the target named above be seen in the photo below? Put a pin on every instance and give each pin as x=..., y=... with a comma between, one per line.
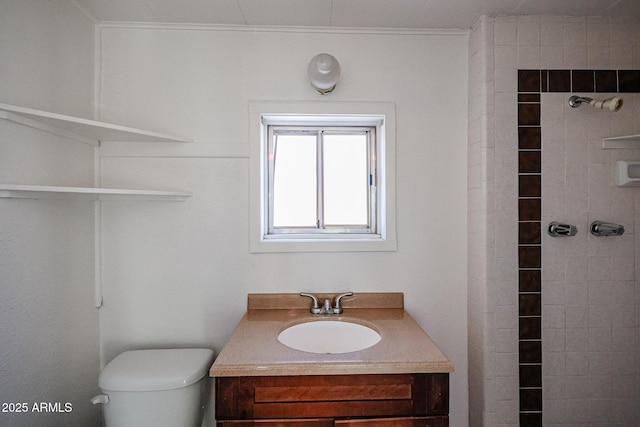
x=337, y=307
x=315, y=305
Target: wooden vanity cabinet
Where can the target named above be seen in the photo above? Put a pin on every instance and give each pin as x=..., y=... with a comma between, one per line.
x=395, y=422
x=381, y=400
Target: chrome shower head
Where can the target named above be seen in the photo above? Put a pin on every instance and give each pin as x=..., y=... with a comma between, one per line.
x=611, y=104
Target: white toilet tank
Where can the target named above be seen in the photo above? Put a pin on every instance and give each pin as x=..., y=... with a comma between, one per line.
x=158, y=387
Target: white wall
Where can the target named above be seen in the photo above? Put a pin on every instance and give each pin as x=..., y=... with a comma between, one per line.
x=49, y=349
x=179, y=273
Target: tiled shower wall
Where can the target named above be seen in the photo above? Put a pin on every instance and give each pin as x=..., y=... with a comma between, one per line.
x=553, y=322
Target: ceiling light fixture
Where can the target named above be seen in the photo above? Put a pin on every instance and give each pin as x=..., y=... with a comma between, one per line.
x=324, y=72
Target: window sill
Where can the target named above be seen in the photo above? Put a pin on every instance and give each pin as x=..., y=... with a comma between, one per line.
x=323, y=245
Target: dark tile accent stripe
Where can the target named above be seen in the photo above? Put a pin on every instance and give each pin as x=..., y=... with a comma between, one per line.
x=531, y=419
x=544, y=81
x=530, y=186
x=529, y=161
x=530, y=256
x=531, y=352
x=530, y=84
x=530, y=280
x=529, y=97
x=629, y=80
x=529, y=114
x=559, y=80
x=530, y=330
x=529, y=138
x=530, y=304
x=583, y=80
x=606, y=81
x=529, y=210
x=529, y=233
x=529, y=81
x=531, y=399
x=530, y=376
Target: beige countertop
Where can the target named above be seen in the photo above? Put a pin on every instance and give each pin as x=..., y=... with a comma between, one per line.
x=254, y=349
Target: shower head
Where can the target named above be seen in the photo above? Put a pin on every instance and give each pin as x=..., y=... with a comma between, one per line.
x=611, y=104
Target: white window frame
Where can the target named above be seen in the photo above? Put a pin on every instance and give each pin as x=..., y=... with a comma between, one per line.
x=321, y=229
x=381, y=115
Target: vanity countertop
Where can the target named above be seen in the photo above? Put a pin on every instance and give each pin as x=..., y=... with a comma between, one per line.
x=254, y=349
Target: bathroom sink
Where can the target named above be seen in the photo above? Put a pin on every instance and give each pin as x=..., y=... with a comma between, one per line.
x=329, y=337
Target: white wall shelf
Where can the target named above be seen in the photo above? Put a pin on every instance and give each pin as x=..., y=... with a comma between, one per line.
x=628, y=141
x=87, y=193
x=84, y=130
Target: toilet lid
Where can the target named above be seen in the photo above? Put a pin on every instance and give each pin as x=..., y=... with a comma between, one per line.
x=156, y=369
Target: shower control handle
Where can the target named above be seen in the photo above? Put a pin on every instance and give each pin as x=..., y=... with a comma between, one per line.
x=599, y=228
x=557, y=229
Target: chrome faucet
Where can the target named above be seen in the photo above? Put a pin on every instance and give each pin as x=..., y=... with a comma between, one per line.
x=337, y=307
x=315, y=305
x=326, y=308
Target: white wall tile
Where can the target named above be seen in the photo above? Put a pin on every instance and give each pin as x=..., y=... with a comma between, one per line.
x=577, y=339
x=552, y=57
x=551, y=32
x=576, y=316
x=599, y=270
x=599, y=291
x=553, y=317
x=529, y=56
x=599, y=339
x=621, y=58
x=577, y=273
x=554, y=411
x=505, y=80
x=600, y=387
x=528, y=34
x=505, y=32
x=577, y=410
x=554, y=339
x=577, y=387
x=599, y=316
x=577, y=293
x=575, y=57
x=553, y=363
x=505, y=57
x=586, y=280
x=577, y=363
x=598, y=57
x=553, y=388
x=575, y=33
x=598, y=31
x=622, y=291
x=623, y=317
x=623, y=363
x=600, y=363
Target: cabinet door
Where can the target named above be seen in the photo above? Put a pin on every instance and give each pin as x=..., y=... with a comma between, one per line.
x=332, y=396
x=278, y=423
x=396, y=422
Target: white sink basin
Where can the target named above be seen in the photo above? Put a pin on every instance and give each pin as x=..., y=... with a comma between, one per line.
x=329, y=337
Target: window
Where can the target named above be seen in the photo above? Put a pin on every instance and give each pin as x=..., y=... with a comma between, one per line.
x=321, y=181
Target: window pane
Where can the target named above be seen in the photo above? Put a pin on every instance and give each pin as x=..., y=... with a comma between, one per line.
x=294, y=182
x=345, y=183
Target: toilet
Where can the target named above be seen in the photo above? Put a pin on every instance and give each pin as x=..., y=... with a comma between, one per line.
x=156, y=387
